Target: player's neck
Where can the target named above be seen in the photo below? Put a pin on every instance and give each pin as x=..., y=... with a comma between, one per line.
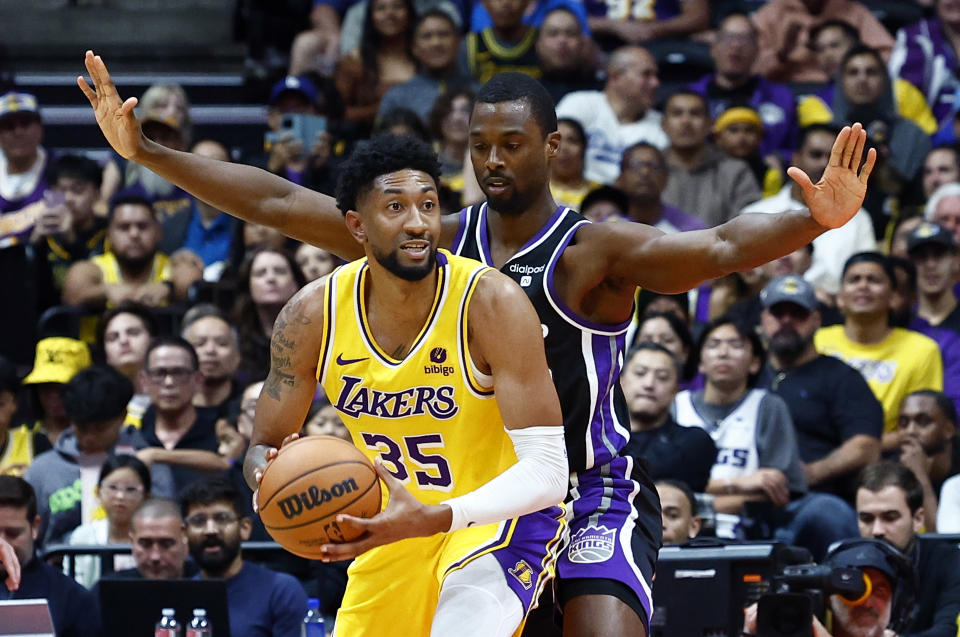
x=510, y=232
x=397, y=309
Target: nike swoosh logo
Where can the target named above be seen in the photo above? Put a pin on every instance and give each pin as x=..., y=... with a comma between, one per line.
x=347, y=361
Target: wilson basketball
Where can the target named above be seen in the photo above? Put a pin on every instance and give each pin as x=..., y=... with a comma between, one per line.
x=311, y=481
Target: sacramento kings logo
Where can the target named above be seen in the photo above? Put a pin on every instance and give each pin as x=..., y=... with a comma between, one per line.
x=592, y=544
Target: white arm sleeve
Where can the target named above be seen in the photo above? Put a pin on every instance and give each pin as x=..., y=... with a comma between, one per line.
x=538, y=480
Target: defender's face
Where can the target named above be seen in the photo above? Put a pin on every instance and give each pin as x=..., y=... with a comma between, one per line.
x=399, y=218
x=510, y=155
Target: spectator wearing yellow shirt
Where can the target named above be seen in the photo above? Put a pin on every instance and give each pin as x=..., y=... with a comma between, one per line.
x=894, y=361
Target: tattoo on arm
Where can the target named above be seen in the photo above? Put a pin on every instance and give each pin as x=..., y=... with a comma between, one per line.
x=282, y=347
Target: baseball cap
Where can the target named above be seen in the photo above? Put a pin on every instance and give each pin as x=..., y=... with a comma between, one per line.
x=928, y=232
x=298, y=84
x=58, y=359
x=738, y=115
x=13, y=103
x=789, y=288
x=868, y=552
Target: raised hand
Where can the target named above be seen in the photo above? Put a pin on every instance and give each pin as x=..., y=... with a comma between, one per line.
x=114, y=116
x=9, y=566
x=837, y=197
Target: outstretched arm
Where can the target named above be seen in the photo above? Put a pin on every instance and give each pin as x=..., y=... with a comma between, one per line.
x=641, y=255
x=292, y=381
x=243, y=191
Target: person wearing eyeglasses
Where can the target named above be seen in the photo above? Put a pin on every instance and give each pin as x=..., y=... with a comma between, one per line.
x=66, y=478
x=173, y=423
x=260, y=602
x=123, y=485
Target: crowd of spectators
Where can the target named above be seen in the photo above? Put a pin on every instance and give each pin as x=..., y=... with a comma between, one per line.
x=794, y=401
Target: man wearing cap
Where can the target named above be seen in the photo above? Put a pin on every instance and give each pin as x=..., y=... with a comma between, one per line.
x=887, y=600
x=734, y=51
x=298, y=95
x=833, y=247
x=167, y=199
x=58, y=360
x=893, y=360
x=24, y=199
x=890, y=507
x=933, y=250
x=837, y=419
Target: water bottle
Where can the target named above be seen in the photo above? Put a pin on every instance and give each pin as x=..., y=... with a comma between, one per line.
x=199, y=625
x=168, y=626
x=313, y=620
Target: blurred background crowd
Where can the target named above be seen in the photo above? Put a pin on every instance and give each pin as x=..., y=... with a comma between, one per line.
x=780, y=403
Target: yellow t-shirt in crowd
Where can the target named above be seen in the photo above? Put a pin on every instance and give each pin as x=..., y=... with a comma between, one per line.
x=904, y=362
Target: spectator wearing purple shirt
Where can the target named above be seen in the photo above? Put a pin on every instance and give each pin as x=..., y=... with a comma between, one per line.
x=643, y=176
x=734, y=53
x=925, y=55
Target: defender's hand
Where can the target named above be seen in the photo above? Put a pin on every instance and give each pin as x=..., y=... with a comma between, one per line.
x=114, y=116
x=269, y=456
x=837, y=197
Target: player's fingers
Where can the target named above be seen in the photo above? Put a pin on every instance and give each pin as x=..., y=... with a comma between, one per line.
x=836, y=153
x=286, y=441
x=799, y=176
x=860, y=141
x=388, y=478
x=849, y=146
x=127, y=107
x=271, y=453
x=256, y=494
x=87, y=91
x=868, y=166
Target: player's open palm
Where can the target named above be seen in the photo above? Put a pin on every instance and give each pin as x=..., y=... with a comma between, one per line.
x=837, y=197
x=404, y=517
x=115, y=117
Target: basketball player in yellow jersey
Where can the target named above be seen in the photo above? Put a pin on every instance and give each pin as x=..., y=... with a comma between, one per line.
x=436, y=365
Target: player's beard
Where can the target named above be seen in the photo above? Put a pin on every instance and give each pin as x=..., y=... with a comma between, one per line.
x=391, y=261
x=788, y=345
x=514, y=205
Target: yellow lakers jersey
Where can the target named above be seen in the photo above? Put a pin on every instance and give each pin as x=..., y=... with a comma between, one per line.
x=431, y=416
x=107, y=263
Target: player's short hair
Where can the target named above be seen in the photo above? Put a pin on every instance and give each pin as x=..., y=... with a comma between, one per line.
x=518, y=87
x=17, y=493
x=944, y=403
x=75, y=167
x=382, y=155
x=872, y=257
x=206, y=491
x=890, y=473
x=684, y=488
x=96, y=395
x=173, y=341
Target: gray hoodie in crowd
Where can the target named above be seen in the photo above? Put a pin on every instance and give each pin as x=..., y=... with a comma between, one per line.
x=55, y=476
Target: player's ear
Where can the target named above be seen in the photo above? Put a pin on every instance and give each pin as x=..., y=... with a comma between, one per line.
x=553, y=144
x=355, y=226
